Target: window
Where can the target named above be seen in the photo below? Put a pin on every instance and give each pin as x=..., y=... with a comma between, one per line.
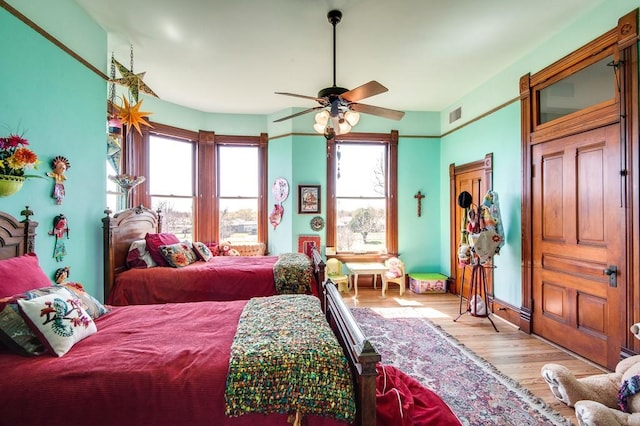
x=209, y=187
x=589, y=86
x=361, y=194
x=171, y=183
x=238, y=191
x=361, y=197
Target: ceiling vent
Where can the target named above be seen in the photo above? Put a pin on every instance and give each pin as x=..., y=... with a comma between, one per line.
x=455, y=115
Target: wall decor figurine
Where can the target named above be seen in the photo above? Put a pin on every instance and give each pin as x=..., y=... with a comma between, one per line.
x=62, y=274
x=60, y=228
x=59, y=165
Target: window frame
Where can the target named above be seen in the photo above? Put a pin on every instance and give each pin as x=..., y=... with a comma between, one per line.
x=206, y=207
x=390, y=140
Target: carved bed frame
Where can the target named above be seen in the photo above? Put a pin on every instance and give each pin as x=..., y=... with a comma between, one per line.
x=129, y=225
x=17, y=237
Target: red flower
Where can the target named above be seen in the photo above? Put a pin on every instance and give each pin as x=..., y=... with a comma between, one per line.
x=13, y=141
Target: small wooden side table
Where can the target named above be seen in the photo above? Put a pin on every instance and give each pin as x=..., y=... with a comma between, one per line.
x=374, y=268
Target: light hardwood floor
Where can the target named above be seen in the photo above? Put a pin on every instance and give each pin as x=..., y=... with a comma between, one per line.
x=515, y=353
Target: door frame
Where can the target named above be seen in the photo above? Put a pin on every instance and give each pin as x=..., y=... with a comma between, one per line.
x=486, y=166
x=622, y=42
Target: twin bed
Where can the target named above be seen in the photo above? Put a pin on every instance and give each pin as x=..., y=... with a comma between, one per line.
x=181, y=363
x=221, y=278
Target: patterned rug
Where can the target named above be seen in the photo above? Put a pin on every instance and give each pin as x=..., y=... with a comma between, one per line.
x=474, y=389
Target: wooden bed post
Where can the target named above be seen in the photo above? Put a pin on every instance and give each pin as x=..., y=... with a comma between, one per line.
x=108, y=255
x=29, y=230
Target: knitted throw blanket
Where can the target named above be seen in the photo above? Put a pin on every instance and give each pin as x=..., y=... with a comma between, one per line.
x=285, y=359
x=293, y=274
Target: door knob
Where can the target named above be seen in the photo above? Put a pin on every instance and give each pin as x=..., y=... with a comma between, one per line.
x=612, y=272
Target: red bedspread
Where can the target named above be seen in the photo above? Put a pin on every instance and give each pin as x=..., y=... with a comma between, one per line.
x=147, y=365
x=223, y=278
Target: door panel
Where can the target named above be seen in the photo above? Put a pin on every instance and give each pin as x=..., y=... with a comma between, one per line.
x=474, y=183
x=577, y=232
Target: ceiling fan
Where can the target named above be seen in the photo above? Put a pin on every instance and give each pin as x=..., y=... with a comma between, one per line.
x=343, y=102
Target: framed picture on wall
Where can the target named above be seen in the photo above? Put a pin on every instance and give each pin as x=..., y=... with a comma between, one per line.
x=308, y=198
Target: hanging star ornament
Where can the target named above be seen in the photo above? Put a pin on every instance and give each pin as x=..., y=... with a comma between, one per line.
x=132, y=81
x=132, y=116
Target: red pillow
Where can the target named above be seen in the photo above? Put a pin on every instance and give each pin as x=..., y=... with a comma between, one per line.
x=20, y=274
x=154, y=241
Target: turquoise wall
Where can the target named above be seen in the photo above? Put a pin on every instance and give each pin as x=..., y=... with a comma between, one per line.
x=498, y=133
x=60, y=107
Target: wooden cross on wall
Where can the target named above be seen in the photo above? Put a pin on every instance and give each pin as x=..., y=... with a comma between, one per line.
x=419, y=197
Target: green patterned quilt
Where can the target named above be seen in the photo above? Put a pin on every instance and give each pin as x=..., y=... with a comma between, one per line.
x=285, y=359
x=293, y=274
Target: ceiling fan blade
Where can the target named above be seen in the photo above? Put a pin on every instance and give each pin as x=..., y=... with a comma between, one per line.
x=298, y=96
x=371, y=88
x=379, y=111
x=306, y=111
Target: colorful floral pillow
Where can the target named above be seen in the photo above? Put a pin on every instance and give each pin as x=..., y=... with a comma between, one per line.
x=178, y=255
x=154, y=241
x=202, y=251
x=20, y=274
x=58, y=320
x=138, y=255
x=16, y=334
x=94, y=308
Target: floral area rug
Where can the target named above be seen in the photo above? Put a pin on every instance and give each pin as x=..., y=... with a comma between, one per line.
x=474, y=389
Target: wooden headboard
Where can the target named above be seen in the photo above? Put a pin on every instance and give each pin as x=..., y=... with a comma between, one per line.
x=17, y=237
x=119, y=231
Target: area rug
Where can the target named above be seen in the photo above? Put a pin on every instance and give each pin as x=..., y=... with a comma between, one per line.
x=474, y=389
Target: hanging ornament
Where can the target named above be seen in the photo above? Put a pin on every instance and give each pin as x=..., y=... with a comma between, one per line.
x=59, y=165
x=130, y=79
x=60, y=228
x=276, y=215
x=132, y=116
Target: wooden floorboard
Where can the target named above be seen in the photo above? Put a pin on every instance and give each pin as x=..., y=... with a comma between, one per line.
x=515, y=353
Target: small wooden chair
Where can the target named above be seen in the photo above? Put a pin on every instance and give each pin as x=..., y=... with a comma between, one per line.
x=333, y=270
x=391, y=278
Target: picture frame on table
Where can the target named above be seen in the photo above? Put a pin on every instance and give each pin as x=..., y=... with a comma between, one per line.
x=307, y=242
x=309, y=199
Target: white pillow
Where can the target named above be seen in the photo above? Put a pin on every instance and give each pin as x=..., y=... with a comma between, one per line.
x=58, y=320
x=139, y=256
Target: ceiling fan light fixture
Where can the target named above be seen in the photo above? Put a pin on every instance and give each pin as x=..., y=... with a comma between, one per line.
x=322, y=117
x=320, y=128
x=352, y=117
x=343, y=127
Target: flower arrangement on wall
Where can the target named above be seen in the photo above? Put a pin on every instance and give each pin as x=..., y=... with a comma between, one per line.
x=15, y=161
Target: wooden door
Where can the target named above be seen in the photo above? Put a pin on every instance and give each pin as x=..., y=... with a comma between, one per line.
x=578, y=233
x=476, y=179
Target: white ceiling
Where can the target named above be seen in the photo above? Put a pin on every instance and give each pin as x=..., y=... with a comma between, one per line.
x=231, y=56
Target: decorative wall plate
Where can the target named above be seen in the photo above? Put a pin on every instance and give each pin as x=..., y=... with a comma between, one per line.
x=280, y=189
x=317, y=223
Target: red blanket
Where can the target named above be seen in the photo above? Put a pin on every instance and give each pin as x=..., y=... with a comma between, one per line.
x=147, y=365
x=223, y=278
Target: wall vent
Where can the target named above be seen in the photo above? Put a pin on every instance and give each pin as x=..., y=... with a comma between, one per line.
x=454, y=115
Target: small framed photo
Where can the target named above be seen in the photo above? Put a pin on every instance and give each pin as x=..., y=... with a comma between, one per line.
x=309, y=199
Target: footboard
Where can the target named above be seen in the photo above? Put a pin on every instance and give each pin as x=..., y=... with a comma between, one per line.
x=360, y=352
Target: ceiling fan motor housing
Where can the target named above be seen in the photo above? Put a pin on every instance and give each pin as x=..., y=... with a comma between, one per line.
x=328, y=92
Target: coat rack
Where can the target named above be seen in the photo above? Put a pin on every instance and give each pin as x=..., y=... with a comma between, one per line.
x=481, y=237
x=478, y=300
